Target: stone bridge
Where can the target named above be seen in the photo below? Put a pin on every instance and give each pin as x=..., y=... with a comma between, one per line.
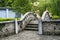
x=45, y=25
x=15, y=26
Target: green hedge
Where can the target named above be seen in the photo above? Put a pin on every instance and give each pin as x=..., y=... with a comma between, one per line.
x=55, y=17
x=8, y=19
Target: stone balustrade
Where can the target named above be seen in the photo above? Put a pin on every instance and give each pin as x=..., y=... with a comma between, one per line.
x=49, y=27
x=8, y=27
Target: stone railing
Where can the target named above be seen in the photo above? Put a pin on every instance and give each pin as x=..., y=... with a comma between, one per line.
x=8, y=27
x=49, y=27
x=28, y=17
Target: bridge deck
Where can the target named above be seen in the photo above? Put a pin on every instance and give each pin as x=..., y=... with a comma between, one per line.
x=30, y=35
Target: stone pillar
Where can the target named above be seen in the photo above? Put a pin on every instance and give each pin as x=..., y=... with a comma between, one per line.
x=16, y=26
x=40, y=27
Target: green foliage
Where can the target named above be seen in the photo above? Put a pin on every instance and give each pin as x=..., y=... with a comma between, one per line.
x=55, y=17
x=22, y=6
x=55, y=8
x=6, y=19
x=6, y=3
x=43, y=5
x=9, y=19
x=51, y=5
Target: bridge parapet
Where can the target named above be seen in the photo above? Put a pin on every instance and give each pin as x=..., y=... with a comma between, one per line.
x=49, y=27
x=16, y=25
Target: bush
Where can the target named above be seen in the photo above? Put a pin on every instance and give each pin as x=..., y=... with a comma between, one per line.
x=8, y=19
x=55, y=17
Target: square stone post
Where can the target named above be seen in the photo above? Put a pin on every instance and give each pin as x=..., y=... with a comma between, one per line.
x=16, y=26
x=40, y=27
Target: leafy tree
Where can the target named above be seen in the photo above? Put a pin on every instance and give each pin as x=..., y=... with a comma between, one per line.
x=51, y=5
x=2, y=3
x=22, y=6
x=6, y=3
x=55, y=8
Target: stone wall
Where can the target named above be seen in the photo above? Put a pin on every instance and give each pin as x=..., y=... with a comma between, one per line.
x=9, y=27
x=6, y=28
x=51, y=27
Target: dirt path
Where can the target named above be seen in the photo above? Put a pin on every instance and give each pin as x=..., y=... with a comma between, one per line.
x=30, y=35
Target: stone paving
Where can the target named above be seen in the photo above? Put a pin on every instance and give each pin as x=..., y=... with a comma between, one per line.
x=30, y=35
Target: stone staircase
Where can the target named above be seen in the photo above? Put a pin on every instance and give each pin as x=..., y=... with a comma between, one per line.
x=33, y=26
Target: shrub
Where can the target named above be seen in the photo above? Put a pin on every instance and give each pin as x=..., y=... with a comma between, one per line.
x=8, y=19
x=55, y=17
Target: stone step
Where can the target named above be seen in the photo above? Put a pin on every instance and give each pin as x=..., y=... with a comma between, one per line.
x=33, y=29
x=32, y=26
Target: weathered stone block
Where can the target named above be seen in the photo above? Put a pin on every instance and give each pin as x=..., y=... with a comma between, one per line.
x=51, y=27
